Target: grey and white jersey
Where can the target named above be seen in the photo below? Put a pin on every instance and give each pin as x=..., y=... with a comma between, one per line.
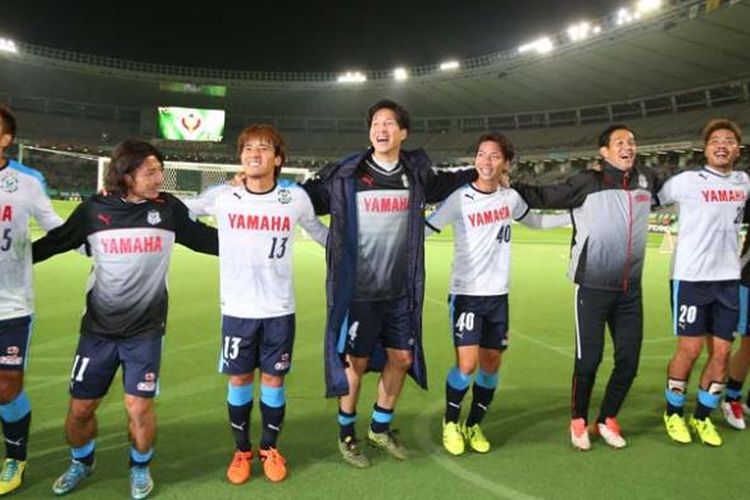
x=711, y=207
x=481, y=237
x=256, y=245
x=610, y=210
x=22, y=196
x=383, y=216
x=130, y=245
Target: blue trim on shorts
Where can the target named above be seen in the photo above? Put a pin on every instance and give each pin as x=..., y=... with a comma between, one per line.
x=341, y=344
x=28, y=342
x=451, y=311
x=239, y=395
x=272, y=396
x=221, y=343
x=742, y=323
x=675, y=398
x=675, y=303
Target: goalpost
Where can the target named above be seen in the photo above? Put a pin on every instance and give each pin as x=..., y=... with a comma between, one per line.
x=185, y=179
x=189, y=179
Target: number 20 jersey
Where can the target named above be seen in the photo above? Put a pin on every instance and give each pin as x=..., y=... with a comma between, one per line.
x=711, y=208
x=256, y=238
x=22, y=196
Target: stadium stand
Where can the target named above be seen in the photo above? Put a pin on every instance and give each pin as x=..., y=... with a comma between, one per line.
x=664, y=76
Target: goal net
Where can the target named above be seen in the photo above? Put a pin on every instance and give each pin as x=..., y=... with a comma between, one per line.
x=188, y=179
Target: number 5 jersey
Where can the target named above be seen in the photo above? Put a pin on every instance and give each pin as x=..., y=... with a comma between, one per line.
x=22, y=196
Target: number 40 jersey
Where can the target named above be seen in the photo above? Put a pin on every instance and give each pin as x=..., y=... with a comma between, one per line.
x=22, y=196
x=256, y=238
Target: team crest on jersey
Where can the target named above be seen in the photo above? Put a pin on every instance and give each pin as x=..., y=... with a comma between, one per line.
x=405, y=180
x=153, y=217
x=642, y=181
x=285, y=196
x=9, y=184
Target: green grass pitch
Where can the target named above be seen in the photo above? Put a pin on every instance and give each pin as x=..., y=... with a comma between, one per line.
x=527, y=423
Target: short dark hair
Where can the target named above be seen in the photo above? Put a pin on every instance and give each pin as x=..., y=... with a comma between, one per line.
x=721, y=124
x=607, y=133
x=7, y=121
x=509, y=151
x=402, y=115
x=126, y=158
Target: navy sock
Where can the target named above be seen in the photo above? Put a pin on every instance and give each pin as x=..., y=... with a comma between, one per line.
x=138, y=459
x=272, y=417
x=239, y=422
x=671, y=410
x=16, y=419
x=702, y=411
x=481, y=399
x=456, y=386
x=346, y=425
x=734, y=390
x=16, y=437
x=381, y=419
x=85, y=453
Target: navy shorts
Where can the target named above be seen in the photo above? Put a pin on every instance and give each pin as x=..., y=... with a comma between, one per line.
x=744, y=322
x=248, y=344
x=15, y=335
x=97, y=360
x=700, y=307
x=479, y=320
x=368, y=323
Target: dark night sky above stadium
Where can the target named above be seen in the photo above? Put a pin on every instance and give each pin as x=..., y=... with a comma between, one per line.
x=292, y=35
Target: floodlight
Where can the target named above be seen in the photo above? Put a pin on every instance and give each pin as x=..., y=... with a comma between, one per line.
x=449, y=65
x=352, y=77
x=8, y=45
x=540, y=46
x=624, y=16
x=580, y=31
x=645, y=6
x=400, y=74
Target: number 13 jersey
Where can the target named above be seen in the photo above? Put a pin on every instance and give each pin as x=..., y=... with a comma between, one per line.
x=256, y=238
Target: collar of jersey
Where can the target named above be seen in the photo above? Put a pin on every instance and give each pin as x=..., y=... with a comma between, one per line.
x=254, y=193
x=374, y=165
x=472, y=186
x=717, y=174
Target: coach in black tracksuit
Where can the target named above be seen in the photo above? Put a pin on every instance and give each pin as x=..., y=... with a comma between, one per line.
x=609, y=209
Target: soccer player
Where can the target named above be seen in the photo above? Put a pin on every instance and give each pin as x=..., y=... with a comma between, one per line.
x=375, y=280
x=705, y=274
x=733, y=408
x=130, y=233
x=481, y=214
x=610, y=208
x=22, y=196
x=256, y=221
